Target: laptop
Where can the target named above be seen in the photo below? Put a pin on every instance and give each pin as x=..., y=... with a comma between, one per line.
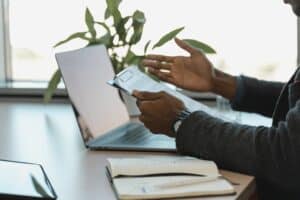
x=100, y=113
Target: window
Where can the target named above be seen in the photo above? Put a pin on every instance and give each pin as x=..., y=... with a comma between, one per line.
x=254, y=37
x=35, y=26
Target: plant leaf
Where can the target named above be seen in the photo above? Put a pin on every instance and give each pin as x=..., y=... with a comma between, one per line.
x=107, y=14
x=166, y=38
x=116, y=64
x=129, y=57
x=105, y=26
x=200, y=46
x=120, y=28
x=113, y=3
x=105, y=39
x=137, y=35
x=137, y=60
x=113, y=9
x=89, y=20
x=80, y=35
x=53, y=83
x=138, y=21
x=139, y=17
x=147, y=46
x=142, y=69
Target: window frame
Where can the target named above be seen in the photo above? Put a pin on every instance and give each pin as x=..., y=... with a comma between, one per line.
x=7, y=86
x=10, y=89
x=4, y=44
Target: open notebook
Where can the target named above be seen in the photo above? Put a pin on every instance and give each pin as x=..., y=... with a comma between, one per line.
x=166, y=177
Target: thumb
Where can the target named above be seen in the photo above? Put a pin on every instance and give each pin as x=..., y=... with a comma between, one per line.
x=185, y=46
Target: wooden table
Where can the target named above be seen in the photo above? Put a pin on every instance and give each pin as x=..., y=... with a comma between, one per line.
x=49, y=135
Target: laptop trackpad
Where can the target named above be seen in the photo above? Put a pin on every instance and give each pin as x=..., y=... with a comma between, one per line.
x=133, y=136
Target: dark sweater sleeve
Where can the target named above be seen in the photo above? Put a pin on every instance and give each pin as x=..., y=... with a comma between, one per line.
x=256, y=96
x=271, y=154
x=294, y=94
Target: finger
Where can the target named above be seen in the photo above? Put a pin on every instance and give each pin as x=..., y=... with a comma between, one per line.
x=157, y=64
x=146, y=104
x=142, y=118
x=142, y=96
x=135, y=93
x=145, y=107
x=185, y=46
x=164, y=76
x=161, y=58
x=148, y=123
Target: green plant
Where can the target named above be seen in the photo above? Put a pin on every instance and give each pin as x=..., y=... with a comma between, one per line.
x=118, y=32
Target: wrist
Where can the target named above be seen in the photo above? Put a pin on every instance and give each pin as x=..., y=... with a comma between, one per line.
x=179, y=119
x=224, y=85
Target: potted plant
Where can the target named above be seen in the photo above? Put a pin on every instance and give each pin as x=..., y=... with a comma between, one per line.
x=122, y=32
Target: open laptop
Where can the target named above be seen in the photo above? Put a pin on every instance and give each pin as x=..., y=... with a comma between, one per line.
x=100, y=113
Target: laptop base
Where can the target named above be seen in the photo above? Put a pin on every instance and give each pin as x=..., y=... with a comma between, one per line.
x=133, y=137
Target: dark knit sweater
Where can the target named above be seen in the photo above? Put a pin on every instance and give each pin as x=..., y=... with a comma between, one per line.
x=271, y=154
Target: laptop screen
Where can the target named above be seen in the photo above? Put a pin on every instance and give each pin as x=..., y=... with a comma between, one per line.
x=98, y=105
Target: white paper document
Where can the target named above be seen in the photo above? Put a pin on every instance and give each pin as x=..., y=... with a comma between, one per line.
x=132, y=79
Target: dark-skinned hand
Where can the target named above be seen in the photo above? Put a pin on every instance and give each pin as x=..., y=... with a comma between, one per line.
x=158, y=111
x=194, y=72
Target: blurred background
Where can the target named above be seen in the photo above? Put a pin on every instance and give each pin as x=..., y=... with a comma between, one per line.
x=255, y=37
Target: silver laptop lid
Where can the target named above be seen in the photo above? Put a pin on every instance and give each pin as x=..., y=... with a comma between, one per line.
x=98, y=105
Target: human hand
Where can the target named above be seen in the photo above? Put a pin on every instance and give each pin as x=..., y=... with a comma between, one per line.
x=158, y=111
x=193, y=73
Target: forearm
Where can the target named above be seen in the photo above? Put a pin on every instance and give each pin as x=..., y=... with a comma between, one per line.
x=257, y=96
x=210, y=138
x=271, y=154
x=224, y=85
x=247, y=94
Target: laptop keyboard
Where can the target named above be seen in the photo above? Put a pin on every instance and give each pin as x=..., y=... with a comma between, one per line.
x=136, y=135
x=132, y=133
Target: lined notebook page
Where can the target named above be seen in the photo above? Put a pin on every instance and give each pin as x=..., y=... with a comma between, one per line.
x=149, y=188
x=161, y=165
